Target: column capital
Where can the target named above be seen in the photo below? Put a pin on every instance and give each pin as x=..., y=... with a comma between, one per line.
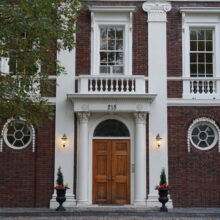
x=140, y=117
x=83, y=117
x=156, y=6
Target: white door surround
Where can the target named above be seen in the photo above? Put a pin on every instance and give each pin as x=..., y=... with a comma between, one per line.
x=84, y=177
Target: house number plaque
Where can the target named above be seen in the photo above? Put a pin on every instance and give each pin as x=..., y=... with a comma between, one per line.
x=112, y=107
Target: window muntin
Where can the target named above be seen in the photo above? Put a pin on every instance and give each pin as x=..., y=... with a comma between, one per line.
x=201, y=52
x=18, y=135
x=111, y=128
x=111, y=50
x=203, y=135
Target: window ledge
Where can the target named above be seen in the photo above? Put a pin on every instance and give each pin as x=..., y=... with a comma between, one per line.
x=199, y=9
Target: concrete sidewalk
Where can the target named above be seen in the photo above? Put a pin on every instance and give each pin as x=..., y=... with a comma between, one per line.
x=111, y=213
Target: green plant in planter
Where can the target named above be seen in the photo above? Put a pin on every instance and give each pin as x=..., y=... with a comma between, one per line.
x=163, y=178
x=59, y=180
x=163, y=181
x=59, y=177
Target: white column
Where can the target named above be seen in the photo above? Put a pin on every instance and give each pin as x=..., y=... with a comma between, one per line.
x=157, y=66
x=140, y=160
x=83, y=159
x=64, y=157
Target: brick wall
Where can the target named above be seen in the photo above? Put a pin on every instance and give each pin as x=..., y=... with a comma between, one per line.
x=83, y=45
x=194, y=177
x=26, y=178
x=174, y=43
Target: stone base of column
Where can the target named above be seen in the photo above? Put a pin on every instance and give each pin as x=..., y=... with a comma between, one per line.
x=152, y=201
x=69, y=203
x=139, y=202
x=83, y=203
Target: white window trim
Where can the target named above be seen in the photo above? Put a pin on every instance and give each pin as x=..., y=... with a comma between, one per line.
x=212, y=124
x=4, y=137
x=111, y=16
x=200, y=17
x=186, y=47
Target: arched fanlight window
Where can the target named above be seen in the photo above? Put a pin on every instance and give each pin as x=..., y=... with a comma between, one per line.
x=111, y=128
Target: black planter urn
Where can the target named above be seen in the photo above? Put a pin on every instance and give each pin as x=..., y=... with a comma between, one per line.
x=61, y=198
x=163, y=198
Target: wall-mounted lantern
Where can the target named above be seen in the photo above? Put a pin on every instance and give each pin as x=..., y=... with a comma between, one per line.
x=64, y=140
x=158, y=140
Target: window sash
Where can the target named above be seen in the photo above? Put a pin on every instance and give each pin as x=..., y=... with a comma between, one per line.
x=111, y=50
x=201, y=53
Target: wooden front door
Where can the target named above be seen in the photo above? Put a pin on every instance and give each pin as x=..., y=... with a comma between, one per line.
x=111, y=172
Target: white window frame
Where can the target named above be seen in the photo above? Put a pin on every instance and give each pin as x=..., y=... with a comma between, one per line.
x=4, y=137
x=207, y=18
x=207, y=121
x=114, y=26
x=104, y=16
x=186, y=47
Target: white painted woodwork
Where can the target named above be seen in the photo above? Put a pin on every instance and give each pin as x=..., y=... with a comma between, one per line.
x=116, y=16
x=205, y=17
x=200, y=88
x=140, y=159
x=83, y=158
x=64, y=157
x=157, y=66
x=112, y=84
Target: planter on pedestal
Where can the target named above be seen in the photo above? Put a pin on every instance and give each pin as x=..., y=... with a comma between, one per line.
x=61, y=191
x=163, y=198
x=61, y=198
x=163, y=190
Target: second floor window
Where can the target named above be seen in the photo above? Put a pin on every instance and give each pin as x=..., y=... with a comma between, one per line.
x=111, y=50
x=201, y=52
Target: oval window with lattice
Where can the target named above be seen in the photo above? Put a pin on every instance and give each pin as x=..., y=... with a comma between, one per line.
x=203, y=133
x=17, y=134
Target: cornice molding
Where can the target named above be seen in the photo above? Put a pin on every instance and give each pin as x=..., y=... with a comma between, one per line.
x=199, y=9
x=112, y=8
x=157, y=7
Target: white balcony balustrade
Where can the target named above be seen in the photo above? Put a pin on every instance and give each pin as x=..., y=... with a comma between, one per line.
x=201, y=88
x=112, y=84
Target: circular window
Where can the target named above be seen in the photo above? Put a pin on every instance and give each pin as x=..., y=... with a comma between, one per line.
x=203, y=134
x=17, y=135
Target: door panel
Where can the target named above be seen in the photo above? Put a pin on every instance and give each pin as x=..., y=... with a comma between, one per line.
x=111, y=171
x=120, y=172
x=101, y=170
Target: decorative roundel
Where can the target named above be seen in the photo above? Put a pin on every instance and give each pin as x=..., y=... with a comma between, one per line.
x=17, y=134
x=203, y=134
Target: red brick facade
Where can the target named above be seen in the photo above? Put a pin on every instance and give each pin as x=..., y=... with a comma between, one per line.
x=26, y=177
x=194, y=177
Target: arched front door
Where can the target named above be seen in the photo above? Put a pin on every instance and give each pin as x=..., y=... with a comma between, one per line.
x=111, y=163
